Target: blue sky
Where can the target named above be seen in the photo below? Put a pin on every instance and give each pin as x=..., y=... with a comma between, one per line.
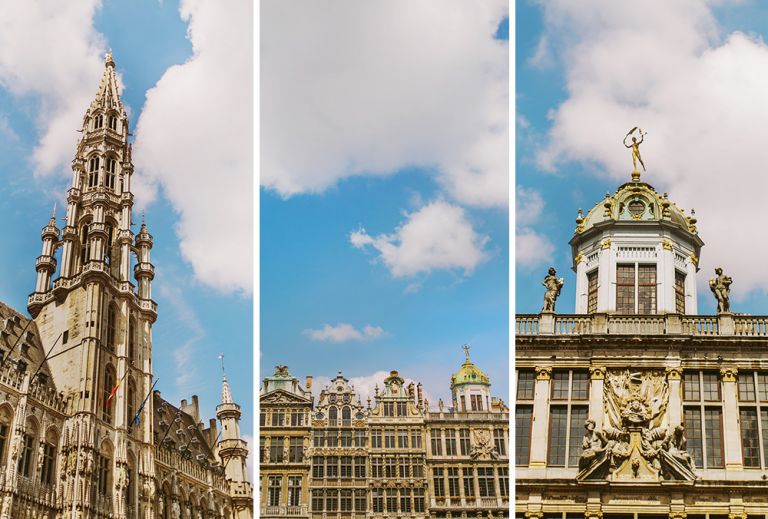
x=198, y=315
x=379, y=251
x=690, y=74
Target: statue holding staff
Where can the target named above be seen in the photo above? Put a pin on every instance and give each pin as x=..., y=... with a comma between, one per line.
x=635, y=146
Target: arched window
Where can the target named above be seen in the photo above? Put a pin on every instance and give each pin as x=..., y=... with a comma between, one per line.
x=112, y=122
x=48, y=467
x=132, y=332
x=109, y=181
x=107, y=402
x=130, y=404
x=93, y=171
x=111, y=326
x=98, y=122
x=333, y=415
x=346, y=416
x=6, y=418
x=85, y=246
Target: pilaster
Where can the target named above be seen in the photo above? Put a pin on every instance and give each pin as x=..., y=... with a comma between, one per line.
x=731, y=431
x=675, y=405
x=597, y=379
x=540, y=417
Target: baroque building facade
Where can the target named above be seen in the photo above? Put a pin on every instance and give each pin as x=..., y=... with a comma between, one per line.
x=637, y=406
x=391, y=456
x=83, y=433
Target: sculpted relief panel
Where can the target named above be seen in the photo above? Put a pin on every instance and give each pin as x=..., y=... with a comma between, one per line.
x=634, y=443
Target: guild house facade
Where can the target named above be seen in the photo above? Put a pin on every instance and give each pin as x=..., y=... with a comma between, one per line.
x=390, y=456
x=83, y=432
x=637, y=406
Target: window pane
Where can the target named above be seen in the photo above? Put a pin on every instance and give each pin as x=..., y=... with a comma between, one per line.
x=713, y=422
x=646, y=289
x=525, y=382
x=580, y=385
x=693, y=433
x=747, y=386
x=750, y=441
x=764, y=426
x=558, y=425
x=592, y=292
x=762, y=386
x=523, y=415
x=679, y=292
x=711, y=387
x=578, y=417
x=560, y=385
x=625, y=289
x=691, y=390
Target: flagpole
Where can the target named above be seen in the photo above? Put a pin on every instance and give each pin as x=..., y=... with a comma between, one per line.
x=2, y=363
x=144, y=402
x=46, y=357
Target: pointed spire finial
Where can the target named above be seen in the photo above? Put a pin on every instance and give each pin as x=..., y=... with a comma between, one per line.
x=226, y=394
x=108, y=61
x=223, y=371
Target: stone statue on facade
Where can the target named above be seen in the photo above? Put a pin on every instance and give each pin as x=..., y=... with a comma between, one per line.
x=635, y=147
x=554, y=286
x=721, y=288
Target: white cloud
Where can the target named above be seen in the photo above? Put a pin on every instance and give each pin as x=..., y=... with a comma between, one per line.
x=358, y=88
x=344, y=332
x=51, y=51
x=528, y=206
x=437, y=236
x=531, y=248
x=194, y=138
x=702, y=99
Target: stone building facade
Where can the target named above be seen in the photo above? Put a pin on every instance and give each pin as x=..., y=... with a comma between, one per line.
x=392, y=456
x=82, y=433
x=636, y=406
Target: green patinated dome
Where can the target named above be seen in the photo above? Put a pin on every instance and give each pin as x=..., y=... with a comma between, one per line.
x=469, y=374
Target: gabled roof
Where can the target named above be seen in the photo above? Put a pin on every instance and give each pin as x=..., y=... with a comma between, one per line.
x=21, y=346
x=177, y=429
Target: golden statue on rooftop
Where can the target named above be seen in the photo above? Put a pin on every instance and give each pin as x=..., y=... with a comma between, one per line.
x=635, y=147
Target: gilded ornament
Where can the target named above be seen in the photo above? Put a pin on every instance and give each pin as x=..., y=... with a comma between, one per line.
x=729, y=374
x=666, y=244
x=635, y=147
x=597, y=372
x=543, y=372
x=605, y=244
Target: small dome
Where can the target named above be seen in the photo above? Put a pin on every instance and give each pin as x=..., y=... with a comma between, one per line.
x=635, y=201
x=469, y=374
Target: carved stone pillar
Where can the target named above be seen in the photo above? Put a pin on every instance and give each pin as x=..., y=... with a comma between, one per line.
x=597, y=376
x=540, y=417
x=731, y=431
x=675, y=405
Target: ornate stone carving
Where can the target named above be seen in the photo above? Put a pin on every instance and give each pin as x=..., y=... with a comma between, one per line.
x=597, y=372
x=553, y=285
x=721, y=288
x=543, y=372
x=634, y=445
x=482, y=445
x=674, y=373
x=605, y=244
x=729, y=374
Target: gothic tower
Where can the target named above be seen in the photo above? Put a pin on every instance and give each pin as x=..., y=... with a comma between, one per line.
x=97, y=323
x=233, y=452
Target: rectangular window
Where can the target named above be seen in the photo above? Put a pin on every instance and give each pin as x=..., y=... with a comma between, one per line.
x=523, y=421
x=711, y=386
x=294, y=490
x=402, y=439
x=390, y=468
x=713, y=429
x=391, y=500
x=346, y=467
x=317, y=500
x=359, y=466
x=764, y=425
x=592, y=292
x=504, y=481
x=376, y=438
x=360, y=438
x=693, y=432
x=750, y=438
x=691, y=389
x=579, y=385
x=453, y=481
x=404, y=467
x=297, y=418
x=485, y=481
x=646, y=289
x=450, y=442
x=405, y=500
x=578, y=417
x=415, y=439
x=346, y=500
x=377, y=499
x=498, y=441
x=3, y=442
x=418, y=500
x=360, y=505
x=436, y=443
x=262, y=419
x=377, y=468
x=464, y=441
x=332, y=438
x=331, y=500
x=437, y=482
x=46, y=474
x=318, y=438
x=625, y=289
x=276, y=449
x=417, y=467
x=762, y=386
x=273, y=490
x=469, y=482
x=747, y=386
x=389, y=409
x=558, y=429
x=389, y=439
x=477, y=402
x=296, y=449
x=332, y=467
x=277, y=418
x=346, y=439
x=103, y=470
x=402, y=408
x=525, y=384
x=318, y=467
x=560, y=385
x=679, y=292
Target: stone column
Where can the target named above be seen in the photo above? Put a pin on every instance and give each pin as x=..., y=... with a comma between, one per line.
x=675, y=405
x=731, y=432
x=540, y=417
x=597, y=376
x=581, y=284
